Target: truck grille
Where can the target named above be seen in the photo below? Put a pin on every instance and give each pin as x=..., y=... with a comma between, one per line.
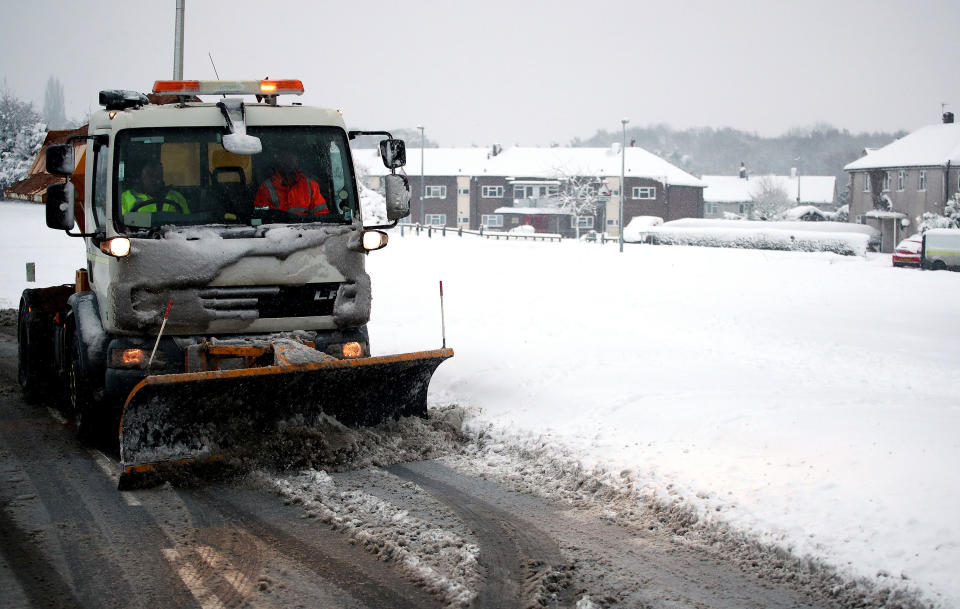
x=253, y=302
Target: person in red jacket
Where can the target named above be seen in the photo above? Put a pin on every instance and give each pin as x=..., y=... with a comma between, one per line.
x=290, y=190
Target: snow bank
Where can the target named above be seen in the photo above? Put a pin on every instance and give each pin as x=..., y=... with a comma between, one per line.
x=639, y=227
x=847, y=244
x=837, y=237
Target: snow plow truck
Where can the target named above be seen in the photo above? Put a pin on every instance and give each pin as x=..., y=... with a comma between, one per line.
x=211, y=307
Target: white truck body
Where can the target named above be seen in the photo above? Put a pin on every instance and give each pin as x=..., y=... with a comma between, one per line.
x=941, y=249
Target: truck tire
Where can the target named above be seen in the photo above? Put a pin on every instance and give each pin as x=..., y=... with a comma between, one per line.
x=939, y=265
x=31, y=341
x=87, y=418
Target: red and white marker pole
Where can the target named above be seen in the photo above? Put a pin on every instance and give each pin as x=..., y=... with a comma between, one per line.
x=162, y=326
x=443, y=323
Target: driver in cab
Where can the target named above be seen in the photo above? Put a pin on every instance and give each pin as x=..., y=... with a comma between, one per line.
x=290, y=190
x=144, y=197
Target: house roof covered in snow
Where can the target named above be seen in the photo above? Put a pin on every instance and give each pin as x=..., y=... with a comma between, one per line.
x=436, y=161
x=734, y=189
x=600, y=162
x=520, y=162
x=929, y=146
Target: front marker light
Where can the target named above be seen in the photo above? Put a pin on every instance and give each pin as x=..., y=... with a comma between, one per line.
x=128, y=358
x=118, y=247
x=374, y=240
x=352, y=349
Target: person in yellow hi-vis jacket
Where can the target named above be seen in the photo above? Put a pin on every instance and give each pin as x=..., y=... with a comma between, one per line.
x=150, y=190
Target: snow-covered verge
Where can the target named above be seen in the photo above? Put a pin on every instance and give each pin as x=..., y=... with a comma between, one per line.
x=25, y=238
x=796, y=397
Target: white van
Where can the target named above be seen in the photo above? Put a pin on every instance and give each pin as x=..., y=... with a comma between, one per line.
x=941, y=249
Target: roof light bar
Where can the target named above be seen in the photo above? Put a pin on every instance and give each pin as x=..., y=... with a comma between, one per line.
x=225, y=87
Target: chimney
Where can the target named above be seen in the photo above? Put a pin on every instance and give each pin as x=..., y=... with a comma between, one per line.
x=948, y=118
x=743, y=171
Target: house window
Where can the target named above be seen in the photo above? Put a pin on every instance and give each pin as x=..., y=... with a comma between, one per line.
x=581, y=221
x=463, y=220
x=866, y=182
x=743, y=209
x=886, y=181
x=861, y=219
x=463, y=191
x=901, y=178
x=709, y=209
x=644, y=192
x=492, y=192
x=436, y=192
x=923, y=180
x=492, y=220
x=612, y=222
x=435, y=220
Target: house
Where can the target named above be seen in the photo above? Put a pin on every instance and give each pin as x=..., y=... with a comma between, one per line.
x=735, y=194
x=891, y=187
x=502, y=189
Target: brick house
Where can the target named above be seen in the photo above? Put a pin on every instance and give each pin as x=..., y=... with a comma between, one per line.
x=891, y=187
x=502, y=189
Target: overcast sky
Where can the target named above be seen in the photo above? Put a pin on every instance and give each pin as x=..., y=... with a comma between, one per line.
x=518, y=71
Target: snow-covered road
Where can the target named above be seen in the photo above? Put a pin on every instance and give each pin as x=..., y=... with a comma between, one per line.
x=808, y=399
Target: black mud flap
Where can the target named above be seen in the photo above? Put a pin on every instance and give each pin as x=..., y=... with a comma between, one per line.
x=176, y=421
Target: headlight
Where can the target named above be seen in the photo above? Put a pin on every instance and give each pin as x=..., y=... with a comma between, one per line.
x=374, y=240
x=118, y=247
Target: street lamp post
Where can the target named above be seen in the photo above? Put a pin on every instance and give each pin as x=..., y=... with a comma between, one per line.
x=423, y=187
x=797, y=161
x=623, y=165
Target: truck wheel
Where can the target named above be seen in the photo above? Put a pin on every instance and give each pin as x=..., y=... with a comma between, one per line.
x=939, y=265
x=86, y=417
x=29, y=367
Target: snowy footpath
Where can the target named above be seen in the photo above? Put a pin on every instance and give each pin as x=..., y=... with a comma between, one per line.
x=808, y=399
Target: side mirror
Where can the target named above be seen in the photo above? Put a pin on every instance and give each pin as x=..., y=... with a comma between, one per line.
x=393, y=152
x=60, y=160
x=397, y=190
x=60, y=206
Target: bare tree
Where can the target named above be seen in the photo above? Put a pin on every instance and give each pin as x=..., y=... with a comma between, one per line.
x=769, y=198
x=578, y=195
x=53, y=106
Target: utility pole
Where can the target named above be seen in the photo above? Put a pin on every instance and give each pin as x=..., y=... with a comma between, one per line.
x=423, y=187
x=178, y=42
x=623, y=165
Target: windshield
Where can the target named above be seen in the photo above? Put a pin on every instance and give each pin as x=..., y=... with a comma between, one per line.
x=184, y=176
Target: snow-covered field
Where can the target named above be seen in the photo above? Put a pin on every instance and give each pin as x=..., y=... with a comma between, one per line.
x=808, y=398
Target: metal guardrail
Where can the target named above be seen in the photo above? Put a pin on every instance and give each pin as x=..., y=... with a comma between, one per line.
x=443, y=231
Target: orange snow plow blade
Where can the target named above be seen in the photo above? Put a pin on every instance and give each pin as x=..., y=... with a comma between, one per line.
x=173, y=420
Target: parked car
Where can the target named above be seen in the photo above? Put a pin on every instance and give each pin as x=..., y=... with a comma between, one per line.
x=907, y=252
x=941, y=249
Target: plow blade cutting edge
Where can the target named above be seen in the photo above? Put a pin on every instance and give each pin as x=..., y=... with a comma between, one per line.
x=174, y=419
